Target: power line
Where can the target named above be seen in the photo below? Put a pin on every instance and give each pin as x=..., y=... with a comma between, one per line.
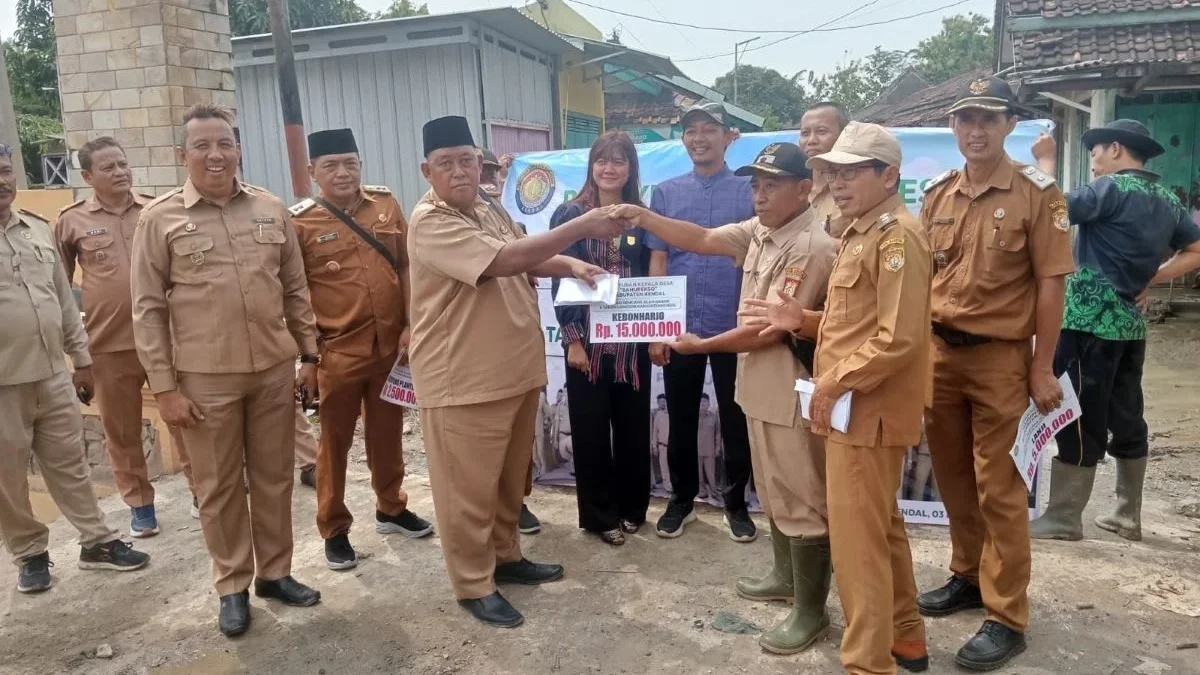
x=664, y=18
x=824, y=29
x=819, y=29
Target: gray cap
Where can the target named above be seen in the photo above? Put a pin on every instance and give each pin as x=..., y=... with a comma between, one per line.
x=712, y=110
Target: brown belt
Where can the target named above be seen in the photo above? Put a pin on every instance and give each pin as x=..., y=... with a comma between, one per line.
x=958, y=338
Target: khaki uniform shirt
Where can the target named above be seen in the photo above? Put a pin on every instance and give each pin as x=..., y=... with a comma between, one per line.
x=874, y=337
x=356, y=294
x=474, y=339
x=38, y=316
x=218, y=289
x=795, y=258
x=708, y=434
x=826, y=211
x=662, y=427
x=990, y=250
x=102, y=242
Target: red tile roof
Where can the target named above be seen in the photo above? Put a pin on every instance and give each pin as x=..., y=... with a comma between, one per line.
x=1056, y=8
x=923, y=108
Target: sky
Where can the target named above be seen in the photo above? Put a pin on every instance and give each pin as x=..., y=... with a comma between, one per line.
x=820, y=52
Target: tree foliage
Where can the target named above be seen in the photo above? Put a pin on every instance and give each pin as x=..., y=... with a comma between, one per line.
x=764, y=91
x=250, y=17
x=402, y=8
x=964, y=43
x=33, y=77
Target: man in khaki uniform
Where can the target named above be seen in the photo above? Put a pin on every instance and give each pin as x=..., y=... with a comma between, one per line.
x=874, y=342
x=39, y=413
x=562, y=428
x=97, y=232
x=478, y=362
x=999, y=234
x=219, y=307
x=658, y=445
x=819, y=129
x=360, y=298
x=781, y=250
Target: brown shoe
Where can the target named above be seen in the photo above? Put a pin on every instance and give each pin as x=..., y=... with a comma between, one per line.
x=911, y=655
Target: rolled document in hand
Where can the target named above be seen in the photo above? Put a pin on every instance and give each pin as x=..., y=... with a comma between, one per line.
x=841, y=408
x=577, y=292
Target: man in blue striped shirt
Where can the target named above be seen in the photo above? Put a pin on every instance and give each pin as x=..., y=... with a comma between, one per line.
x=710, y=196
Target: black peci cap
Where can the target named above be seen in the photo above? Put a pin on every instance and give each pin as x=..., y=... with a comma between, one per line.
x=331, y=142
x=446, y=132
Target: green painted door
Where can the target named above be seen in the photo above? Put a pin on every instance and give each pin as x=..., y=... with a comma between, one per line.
x=582, y=130
x=1173, y=118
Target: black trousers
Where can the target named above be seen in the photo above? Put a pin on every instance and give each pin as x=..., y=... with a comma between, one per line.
x=683, y=379
x=610, y=428
x=1107, y=377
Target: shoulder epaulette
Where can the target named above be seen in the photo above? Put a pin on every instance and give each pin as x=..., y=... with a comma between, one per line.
x=1039, y=178
x=34, y=214
x=377, y=189
x=147, y=195
x=161, y=198
x=255, y=188
x=941, y=179
x=70, y=206
x=886, y=220
x=301, y=207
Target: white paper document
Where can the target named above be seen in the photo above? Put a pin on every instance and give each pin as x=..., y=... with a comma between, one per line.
x=576, y=292
x=398, y=390
x=841, y=407
x=1036, y=431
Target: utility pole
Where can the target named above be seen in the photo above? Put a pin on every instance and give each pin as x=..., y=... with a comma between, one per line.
x=736, y=47
x=289, y=97
x=8, y=125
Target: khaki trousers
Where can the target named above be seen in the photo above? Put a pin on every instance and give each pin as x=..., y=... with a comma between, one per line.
x=479, y=466
x=119, y=380
x=789, y=477
x=343, y=396
x=247, y=431
x=42, y=418
x=871, y=557
x=306, y=441
x=979, y=394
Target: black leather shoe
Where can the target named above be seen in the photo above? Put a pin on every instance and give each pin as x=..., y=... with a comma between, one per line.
x=993, y=646
x=493, y=610
x=288, y=591
x=527, y=573
x=957, y=595
x=234, y=617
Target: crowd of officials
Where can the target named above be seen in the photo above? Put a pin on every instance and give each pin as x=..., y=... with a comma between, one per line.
x=805, y=263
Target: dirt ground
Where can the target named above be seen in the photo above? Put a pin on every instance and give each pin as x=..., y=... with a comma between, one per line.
x=1100, y=607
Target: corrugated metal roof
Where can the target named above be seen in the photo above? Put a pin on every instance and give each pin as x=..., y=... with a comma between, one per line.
x=506, y=20
x=643, y=62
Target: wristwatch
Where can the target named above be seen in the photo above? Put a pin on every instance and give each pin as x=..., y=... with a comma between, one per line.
x=314, y=359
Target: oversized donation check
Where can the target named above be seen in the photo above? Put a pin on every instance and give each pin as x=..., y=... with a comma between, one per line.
x=648, y=309
x=398, y=389
x=1035, y=431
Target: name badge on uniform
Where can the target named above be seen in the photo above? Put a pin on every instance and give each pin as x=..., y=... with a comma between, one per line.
x=327, y=237
x=264, y=220
x=97, y=232
x=792, y=278
x=947, y=220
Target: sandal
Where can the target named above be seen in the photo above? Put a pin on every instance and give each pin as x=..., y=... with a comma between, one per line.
x=612, y=538
x=630, y=527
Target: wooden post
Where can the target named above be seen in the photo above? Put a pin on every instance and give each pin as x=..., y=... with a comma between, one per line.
x=8, y=125
x=289, y=97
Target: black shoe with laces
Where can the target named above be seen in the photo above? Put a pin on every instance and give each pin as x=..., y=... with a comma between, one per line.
x=528, y=523
x=112, y=555
x=339, y=554
x=407, y=523
x=741, y=527
x=670, y=525
x=308, y=477
x=993, y=646
x=957, y=595
x=34, y=576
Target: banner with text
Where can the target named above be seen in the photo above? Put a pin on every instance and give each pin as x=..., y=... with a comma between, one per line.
x=649, y=309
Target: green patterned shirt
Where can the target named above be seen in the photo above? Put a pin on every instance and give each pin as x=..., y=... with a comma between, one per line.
x=1093, y=306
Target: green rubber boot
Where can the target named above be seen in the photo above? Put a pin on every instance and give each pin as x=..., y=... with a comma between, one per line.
x=1126, y=521
x=777, y=584
x=812, y=572
x=1070, y=489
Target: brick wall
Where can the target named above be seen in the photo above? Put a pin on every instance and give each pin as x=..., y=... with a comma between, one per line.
x=129, y=69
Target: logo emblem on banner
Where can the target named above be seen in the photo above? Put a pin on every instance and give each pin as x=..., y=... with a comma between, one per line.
x=535, y=188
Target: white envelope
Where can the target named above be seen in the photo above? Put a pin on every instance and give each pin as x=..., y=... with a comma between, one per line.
x=841, y=408
x=576, y=292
